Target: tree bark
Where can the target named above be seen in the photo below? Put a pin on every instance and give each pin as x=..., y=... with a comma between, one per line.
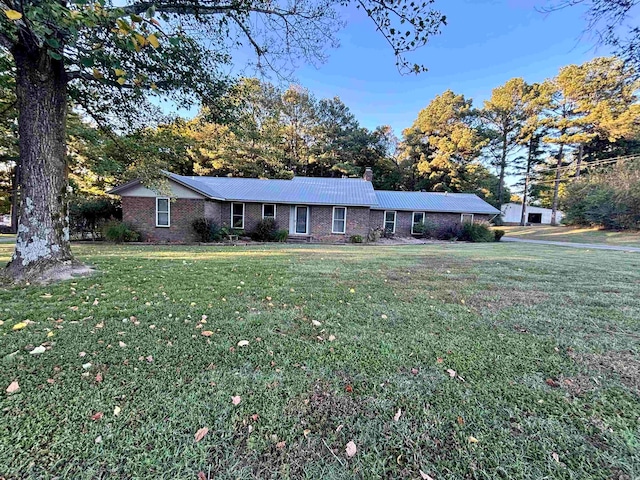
x=525, y=194
x=15, y=197
x=556, y=186
x=42, y=244
x=503, y=167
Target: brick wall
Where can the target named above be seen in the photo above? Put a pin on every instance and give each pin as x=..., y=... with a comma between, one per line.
x=140, y=213
x=321, y=219
x=405, y=219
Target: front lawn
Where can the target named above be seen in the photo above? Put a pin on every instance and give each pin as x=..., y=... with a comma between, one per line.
x=575, y=234
x=460, y=360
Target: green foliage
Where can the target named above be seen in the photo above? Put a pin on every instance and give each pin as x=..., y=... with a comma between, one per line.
x=206, y=230
x=282, y=235
x=88, y=215
x=356, y=239
x=426, y=229
x=609, y=199
x=498, y=234
x=449, y=231
x=116, y=231
x=477, y=232
x=265, y=231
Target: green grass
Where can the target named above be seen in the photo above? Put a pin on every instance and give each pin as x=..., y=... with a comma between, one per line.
x=575, y=234
x=546, y=340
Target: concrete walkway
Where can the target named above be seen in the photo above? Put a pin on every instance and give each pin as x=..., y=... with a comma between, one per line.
x=590, y=246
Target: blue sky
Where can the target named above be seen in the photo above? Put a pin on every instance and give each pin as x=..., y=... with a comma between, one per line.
x=485, y=43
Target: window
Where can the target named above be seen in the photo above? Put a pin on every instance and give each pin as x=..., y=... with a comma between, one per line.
x=268, y=211
x=339, y=220
x=237, y=215
x=163, y=212
x=390, y=222
x=467, y=218
x=417, y=223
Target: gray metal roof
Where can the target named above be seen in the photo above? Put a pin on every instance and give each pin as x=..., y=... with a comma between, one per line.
x=303, y=190
x=432, y=202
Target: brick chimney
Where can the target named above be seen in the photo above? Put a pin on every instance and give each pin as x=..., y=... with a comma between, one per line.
x=368, y=174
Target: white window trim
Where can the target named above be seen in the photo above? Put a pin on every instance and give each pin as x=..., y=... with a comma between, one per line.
x=462, y=217
x=168, y=212
x=237, y=203
x=295, y=217
x=424, y=215
x=275, y=210
x=333, y=221
x=384, y=220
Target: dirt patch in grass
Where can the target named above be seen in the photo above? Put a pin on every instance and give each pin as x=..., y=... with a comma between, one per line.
x=578, y=385
x=625, y=365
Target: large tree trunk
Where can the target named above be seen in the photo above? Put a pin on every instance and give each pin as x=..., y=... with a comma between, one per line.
x=556, y=186
x=42, y=246
x=579, y=161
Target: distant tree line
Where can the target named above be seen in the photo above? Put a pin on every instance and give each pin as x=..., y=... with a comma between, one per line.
x=542, y=133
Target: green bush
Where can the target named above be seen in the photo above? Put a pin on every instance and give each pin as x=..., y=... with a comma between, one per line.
x=282, y=235
x=449, y=231
x=356, y=239
x=117, y=232
x=87, y=216
x=206, y=230
x=426, y=229
x=608, y=199
x=477, y=232
x=265, y=231
x=498, y=234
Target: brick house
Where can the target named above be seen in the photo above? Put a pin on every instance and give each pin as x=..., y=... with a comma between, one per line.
x=315, y=209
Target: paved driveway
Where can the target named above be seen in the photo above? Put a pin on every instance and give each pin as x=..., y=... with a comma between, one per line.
x=590, y=246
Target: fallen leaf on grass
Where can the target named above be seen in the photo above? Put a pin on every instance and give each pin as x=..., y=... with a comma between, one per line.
x=122, y=344
x=439, y=360
x=116, y=411
x=452, y=373
x=98, y=377
x=19, y=326
x=397, y=416
x=202, y=476
x=82, y=354
x=149, y=359
x=473, y=440
x=351, y=449
x=243, y=343
x=315, y=323
x=38, y=350
x=201, y=433
x=552, y=383
x=206, y=333
x=424, y=476
x=281, y=445
x=332, y=338
x=556, y=457
x=13, y=387
x=97, y=416
x=348, y=389
x=236, y=399
x=460, y=421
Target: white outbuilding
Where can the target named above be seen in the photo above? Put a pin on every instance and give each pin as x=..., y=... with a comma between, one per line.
x=512, y=213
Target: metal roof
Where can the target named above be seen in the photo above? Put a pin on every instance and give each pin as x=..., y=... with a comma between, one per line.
x=303, y=190
x=433, y=202
x=326, y=191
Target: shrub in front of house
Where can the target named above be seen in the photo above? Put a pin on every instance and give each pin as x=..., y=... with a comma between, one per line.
x=477, y=232
x=282, y=235
x=449, y=231
x=265, y=231
x=118, y=232
x=356, y=239
x=426, y=229
x=498, y=234
x=374, y=235
x=206, y=231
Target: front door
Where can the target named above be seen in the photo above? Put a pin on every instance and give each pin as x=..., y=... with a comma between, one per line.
x=299, y=224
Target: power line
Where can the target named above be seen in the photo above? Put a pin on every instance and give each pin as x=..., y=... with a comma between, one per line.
x=590, y=164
